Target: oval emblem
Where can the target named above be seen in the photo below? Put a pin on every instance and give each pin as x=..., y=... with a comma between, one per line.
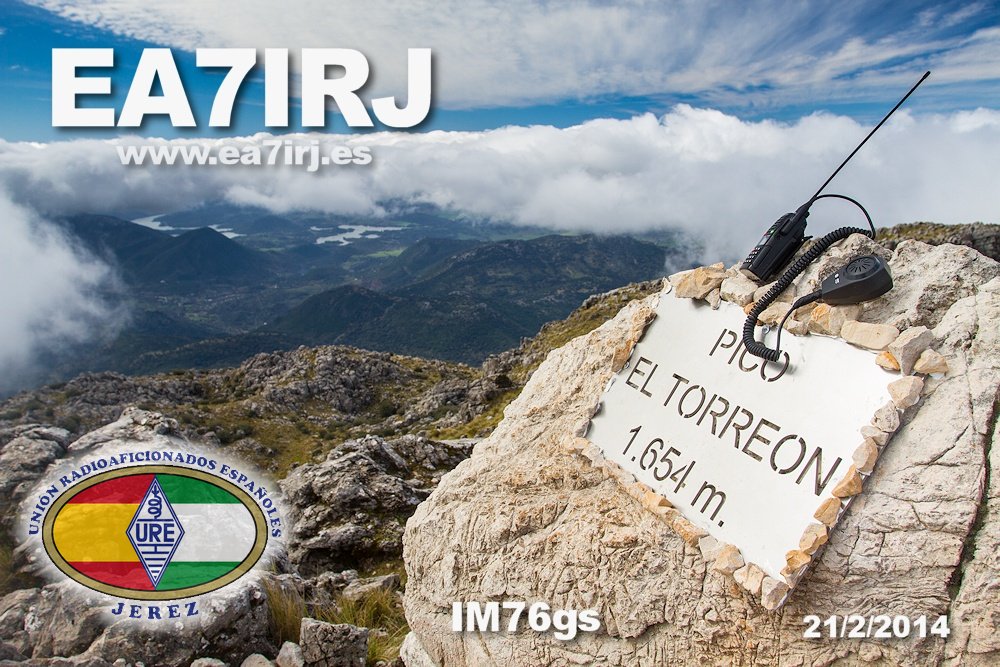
x=157, y=532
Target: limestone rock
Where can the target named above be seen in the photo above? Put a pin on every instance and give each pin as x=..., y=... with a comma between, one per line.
x=710, y=548
x=813, y=538
x=772, y=592
x=877, y=435
x=290, y=655
x=205, y=662
x=886, y=418
x=871, y=336
x=525, y=517
x=714, y=298
x=351, y=505
x=738, y=289
x=928, y=281
x=828, y=511
x=256, y=660
x=829, y=320
x=850, y=485
x=363, y=587
x=328, y=645
x=653, y=501
x=887, y=361
x=699, y=283
x=865, y=456
x=905, y=391
x=729, y=560
x=773, y=313
x=931, y=362
x=908, y=347
x=787, y=296
x=750, y=577
x=795, y=560
x=796, y=326
x=413, y=654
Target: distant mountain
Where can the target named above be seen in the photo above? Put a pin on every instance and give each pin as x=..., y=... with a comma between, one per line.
x=474, y=302
x=199, y=299
x=418, y=261
x=149, y=257
x=201, y=255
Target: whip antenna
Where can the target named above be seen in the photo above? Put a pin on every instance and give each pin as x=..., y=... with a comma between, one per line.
x=874, y=130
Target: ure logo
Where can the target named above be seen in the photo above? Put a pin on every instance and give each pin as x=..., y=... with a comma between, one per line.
x=155, y=532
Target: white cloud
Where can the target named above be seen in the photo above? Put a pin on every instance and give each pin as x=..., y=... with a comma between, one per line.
x=526, y=52
x=49, y=293
x=709, y=173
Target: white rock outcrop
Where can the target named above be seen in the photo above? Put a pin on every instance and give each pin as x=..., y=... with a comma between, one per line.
x=528, y=518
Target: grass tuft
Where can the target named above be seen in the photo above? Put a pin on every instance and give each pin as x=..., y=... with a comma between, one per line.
x=287, y=609
x=380, y=611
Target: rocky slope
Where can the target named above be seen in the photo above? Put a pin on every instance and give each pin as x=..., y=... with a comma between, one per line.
x=528, y=518
x=309, y=413
x=346, y=514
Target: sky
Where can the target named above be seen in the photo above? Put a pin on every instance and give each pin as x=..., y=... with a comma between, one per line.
x=551, y=63
x=714, y=117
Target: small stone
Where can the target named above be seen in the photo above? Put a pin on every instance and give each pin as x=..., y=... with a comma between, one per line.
x=772, y=593
x=712, y=616
x=747, y=308
x=905, y=391
x=687, y=531
x=931, y=362
x=828, y=511
x=795, y=560
x=749, y=577
x=738, y=289
x=256, y=660
x=773, y=313
x=200, y=662
x=710, y=548
x=290, y=655
x=362, y=587
x=908, y=347
x=865, y=456
x=729, y=560
x=332, y=645
x=797, y=326
x=652, y=501
x=871, y=336
x=829, y=320
x=879, y=436
x=785, y=297
x=714, y=298
x=697, y=284
x=813, y=538
x=886, y=418
x=850, y=485
x=122, y=662
x=887, y=361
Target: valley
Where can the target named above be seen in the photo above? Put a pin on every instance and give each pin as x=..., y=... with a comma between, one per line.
x=212, y=286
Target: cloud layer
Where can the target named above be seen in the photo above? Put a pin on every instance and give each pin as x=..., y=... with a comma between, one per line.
x=712, y=174
x=522, y=52
x=717, y=177
x=49, y=293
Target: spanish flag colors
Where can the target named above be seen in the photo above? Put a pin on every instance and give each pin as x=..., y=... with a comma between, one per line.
x=157, y=531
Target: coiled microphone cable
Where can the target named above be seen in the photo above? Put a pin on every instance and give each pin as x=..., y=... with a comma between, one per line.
x=759, y=349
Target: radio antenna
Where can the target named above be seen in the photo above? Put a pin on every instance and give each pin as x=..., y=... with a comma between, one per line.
x=865, y=140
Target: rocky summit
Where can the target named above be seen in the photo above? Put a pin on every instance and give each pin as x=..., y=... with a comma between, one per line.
x=363, y=440
x=528, y=517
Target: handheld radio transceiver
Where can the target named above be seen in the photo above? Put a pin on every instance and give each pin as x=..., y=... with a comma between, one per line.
x=784, y=238
x=862, y=279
